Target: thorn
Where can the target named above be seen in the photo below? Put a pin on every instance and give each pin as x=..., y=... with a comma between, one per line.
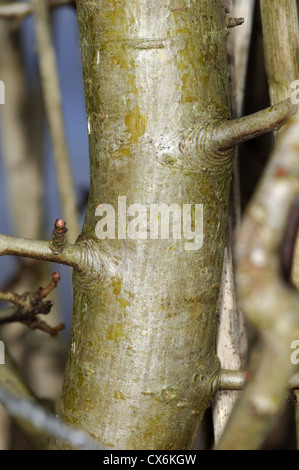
x=232, y=22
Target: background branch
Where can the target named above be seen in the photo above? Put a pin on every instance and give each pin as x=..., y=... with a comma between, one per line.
x=42, y=422
x=12, y=382
x=231, y=332
x=22, y=9
x=281, y=50
x=52, y=97
x=270, y=305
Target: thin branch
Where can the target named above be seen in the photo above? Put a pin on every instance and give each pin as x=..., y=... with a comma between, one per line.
x=228, y=134
x=281, y=46
x=51, y=91
x=20, y=160
x=236, y=380
x=70, y=256
x=29, y=306
x=22, y=9
x=230, y=349
x=241, y=42
x=41, y=420
x=12, y=381
x=269, y=304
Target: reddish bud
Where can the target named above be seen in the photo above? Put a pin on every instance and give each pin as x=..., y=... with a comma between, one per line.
x=60, y=224
x=56, y=277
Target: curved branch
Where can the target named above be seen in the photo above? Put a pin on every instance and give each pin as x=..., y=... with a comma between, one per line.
x=43, y=422
x=228, y=134
x=269, y=304
x=12, y=382
x=210, y=141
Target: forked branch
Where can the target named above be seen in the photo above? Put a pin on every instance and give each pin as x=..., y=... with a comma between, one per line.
x=28, y=306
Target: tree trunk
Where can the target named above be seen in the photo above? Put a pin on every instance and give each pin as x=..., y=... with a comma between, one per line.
x=142, y=357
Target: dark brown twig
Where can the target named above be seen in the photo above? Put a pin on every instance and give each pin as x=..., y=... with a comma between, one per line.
x=29, y=306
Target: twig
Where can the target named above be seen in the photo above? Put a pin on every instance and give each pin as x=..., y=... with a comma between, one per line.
x=236, y=380
x=51, y=91
x=227, y=134
x=13, y=382
x=71, y=255
x=28, y=306
x=42, y=420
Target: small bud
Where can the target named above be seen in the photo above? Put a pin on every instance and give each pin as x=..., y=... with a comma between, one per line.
x=58, y=236
x=59, y=223
x=56, y=277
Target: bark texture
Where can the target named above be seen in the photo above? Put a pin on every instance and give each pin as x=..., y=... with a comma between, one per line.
x=142, y=355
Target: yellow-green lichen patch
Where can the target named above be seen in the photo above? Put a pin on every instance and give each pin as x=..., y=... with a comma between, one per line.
x=115, y=332
x=169, y=394
x=118, y=394
x=123, y=302
x=116, y=284
x=136, y=124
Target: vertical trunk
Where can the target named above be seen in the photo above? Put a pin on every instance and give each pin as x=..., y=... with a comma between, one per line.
x=142, y=355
